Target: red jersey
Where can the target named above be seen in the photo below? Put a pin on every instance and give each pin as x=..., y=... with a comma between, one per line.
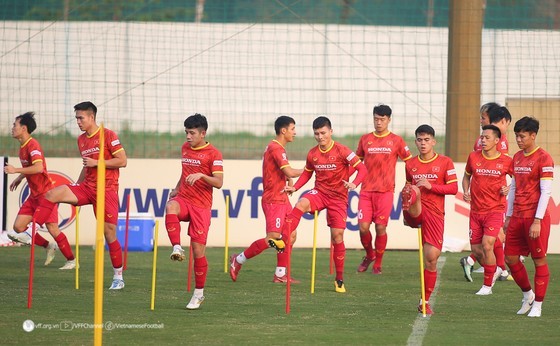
x=274, y=180
x=89, y=147
x=206, y=160
x=29, y=153
x=502, y=146
x=380, y=154
x=331, y=167
x=487, y=178
x=528, y=170
x=438, y=171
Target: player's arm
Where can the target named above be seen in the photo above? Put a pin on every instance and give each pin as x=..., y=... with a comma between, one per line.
x=303, y=179
x=510, y=198
x=119, y=160
x=466, y=187
x=35, y=168
x=546, y=191
x=362, y=173
x=16, y=182
x=82, y=175
x=290, y=172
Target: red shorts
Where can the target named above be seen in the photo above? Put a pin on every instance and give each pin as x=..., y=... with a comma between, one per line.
x=484, y=225
x=432, y=227
x=198, y=219
x=31, y=203
x=375, y=206
x=87, y=195
x=518, y=241
x=337, y=210
x=275, y=214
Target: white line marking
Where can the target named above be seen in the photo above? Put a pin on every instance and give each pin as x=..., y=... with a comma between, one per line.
x=421, y=323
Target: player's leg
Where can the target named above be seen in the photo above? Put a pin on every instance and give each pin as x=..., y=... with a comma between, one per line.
x=302, y=206
x=432, y=240
x=110, y=232
x=499, y=254
x=516, y=245
x=63, y=245
x=59, y=194
x=21, y=223
x=382, y=206
x=411, y=200
x=539, y=247
x=173, y=226
x=365, y=217
x=488, y=261
x=339, y=255
x=200, y=221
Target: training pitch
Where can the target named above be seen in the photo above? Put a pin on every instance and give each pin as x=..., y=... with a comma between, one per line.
x=376, y=310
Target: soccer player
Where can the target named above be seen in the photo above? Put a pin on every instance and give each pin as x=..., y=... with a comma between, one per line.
x=191, y=199
x=429, y=177
x=527, y=223
x=34, y=169
x=85, y=190
x=485, y=187
x=332, y=163
x=379, y=150
x=492, y=114
x=276, y=171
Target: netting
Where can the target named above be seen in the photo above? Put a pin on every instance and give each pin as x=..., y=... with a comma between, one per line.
x=149, y=64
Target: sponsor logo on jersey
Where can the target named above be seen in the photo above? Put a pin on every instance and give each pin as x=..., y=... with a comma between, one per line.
x=115, y=142
x=327, y=166
x=382, y=150
x=351, y=156
x=451, y=172
x=218, y=163
x=90, y=151
x=35, y=152
x=191, y=161
x=486, y=171
x=424, y=176
x=548, y=169
x=522, y=169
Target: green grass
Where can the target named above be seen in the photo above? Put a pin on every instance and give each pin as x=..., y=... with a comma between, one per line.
x=376, y=309
x=242, y=145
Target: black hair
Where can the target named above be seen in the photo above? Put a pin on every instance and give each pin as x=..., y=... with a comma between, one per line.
x=86, y=106
x=494, y=129
x=485, y=108
x=321, y=121
x=427, y=129
x=28, y=120
x=281, y=122
x=382, y=110
x=196, y=121
x=527, y=124
x=496, y=114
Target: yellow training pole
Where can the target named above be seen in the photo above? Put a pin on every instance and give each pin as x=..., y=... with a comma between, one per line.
x=422, y=284
x=154, y=265
x=314, y=253
x=99, y=244
x=77, y=257
x=226, y=246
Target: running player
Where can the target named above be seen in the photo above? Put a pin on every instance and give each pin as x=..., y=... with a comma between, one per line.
x=429, y=177
x=494, y=114
x=527, y=221
x=276, y=171
x=485, y=187
x=191, y=199
x=85, y=190
x=331, y=163
x=379, y=150
x=34, y=169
